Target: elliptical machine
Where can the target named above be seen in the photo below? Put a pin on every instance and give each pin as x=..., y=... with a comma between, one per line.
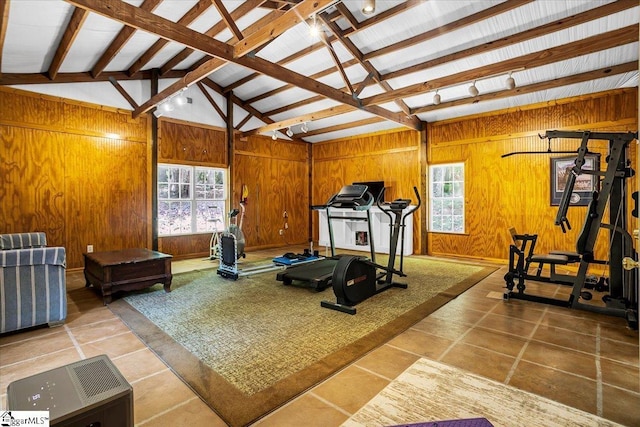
x=232, y=245
x=355, y=278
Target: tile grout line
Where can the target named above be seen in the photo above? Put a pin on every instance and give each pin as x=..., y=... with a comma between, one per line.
x=159, y=414
x=524, y=348
x=75, y=342
x=459, y=339
x=333, y=405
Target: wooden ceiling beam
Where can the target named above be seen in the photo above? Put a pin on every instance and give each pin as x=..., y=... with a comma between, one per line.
x=535, y=87
x=228, y=19
x=193, y=14
x=273, y=29
x=237, y=101
x=571, y=50
x=85, y=77
x=68, y=37
x=323, y=114
x=344, y=126
x=212, y=101
x=123, y=92
x=295, y=105
x=346, y=13
x=557, y=25
x=121, y=39
x=382, y=16
x=337, y=62
x=4, y=21
x=578, y=78
x=286, y=87
x=131, y=15
x=371, y=70
x=542, y=30
x=216, y=29
x=452, y=26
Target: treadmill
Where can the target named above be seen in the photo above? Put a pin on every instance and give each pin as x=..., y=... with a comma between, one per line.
x=318, y=274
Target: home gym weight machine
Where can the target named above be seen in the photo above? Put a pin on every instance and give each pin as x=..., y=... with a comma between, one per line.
x=622, y=300
x=356, y=278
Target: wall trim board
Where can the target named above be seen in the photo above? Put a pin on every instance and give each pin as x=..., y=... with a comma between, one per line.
x=56, y=129
x=69, y=101
x=266, y=156
x=365, y=135
x=367, y=154
x=553, y=103
x=190, y=123
x=509, y=136
x=191, y=163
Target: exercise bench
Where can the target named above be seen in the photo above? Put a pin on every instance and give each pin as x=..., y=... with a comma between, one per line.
x=522, y=255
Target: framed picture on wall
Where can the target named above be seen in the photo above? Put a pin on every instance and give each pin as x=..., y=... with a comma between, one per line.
x=585, y=184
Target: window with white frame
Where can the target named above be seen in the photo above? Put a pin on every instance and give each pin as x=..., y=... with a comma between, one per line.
x=447, y=198
x=191, y=199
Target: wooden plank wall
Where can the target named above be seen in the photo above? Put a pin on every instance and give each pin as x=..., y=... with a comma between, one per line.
x=393, y=157
x=62, y=175
x=190, y=144
x=276, y=175
x=515, y=191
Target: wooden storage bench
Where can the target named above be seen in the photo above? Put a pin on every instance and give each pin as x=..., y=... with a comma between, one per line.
x=127, y=270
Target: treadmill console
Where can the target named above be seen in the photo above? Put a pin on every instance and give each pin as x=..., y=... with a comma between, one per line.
x=351, y=197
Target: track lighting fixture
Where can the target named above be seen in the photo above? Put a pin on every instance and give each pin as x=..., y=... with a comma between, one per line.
x=274, y=136
x=167, y=106
x=181, y=99
x=289, y=132
x=368, y=7
x=510, y=82
x=473, y=90
x=304, y=127
x=437, y=99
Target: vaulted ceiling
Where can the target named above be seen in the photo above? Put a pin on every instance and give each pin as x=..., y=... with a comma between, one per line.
x=255, y=62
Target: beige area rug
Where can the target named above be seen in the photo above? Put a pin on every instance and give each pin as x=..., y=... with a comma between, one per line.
x=430, y=391
x=248, y=346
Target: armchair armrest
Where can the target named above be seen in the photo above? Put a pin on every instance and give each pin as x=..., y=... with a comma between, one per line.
x=23, y=240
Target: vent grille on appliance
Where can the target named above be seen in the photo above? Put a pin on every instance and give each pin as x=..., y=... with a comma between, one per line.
x=97, y=378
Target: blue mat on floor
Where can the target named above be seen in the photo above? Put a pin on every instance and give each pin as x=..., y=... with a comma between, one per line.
x=282, y=260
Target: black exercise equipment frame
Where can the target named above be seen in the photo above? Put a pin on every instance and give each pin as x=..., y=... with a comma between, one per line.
x=622, y=300
x=355, y=278
x=319, y=274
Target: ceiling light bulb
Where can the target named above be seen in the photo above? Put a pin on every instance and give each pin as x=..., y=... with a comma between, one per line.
x=510, y=83
x=181, y=99
x=314, y=27
x=437, y=99
x=473, y=90
x=274, y=136
x=167, y=106
x=368, y=7
x=289, y=132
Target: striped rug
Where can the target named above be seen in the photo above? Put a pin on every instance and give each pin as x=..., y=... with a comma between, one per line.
x=432, y=391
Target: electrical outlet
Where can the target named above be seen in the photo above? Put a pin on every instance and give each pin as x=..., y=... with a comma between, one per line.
x=89, y=249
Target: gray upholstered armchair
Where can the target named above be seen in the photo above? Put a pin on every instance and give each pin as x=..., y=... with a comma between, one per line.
x=33, y=287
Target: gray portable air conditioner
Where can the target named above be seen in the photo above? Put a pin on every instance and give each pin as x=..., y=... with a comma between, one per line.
x=91, y=392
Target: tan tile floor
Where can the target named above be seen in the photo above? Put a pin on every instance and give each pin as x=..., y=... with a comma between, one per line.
x=581, y=359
